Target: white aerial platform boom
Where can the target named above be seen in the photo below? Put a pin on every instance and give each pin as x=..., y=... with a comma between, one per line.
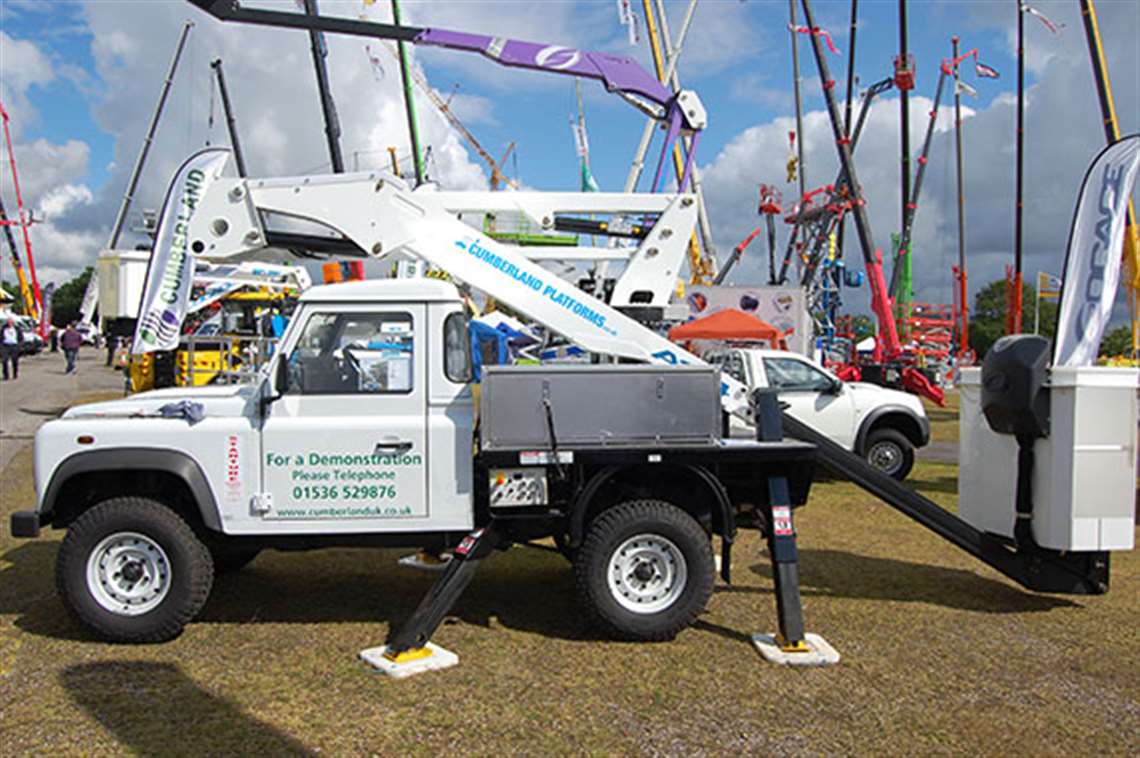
x=381, y=215
x=652, y=267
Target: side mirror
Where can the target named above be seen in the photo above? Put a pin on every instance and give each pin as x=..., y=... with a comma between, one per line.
x=281, y=379
x=836, y=388
x=280, y=384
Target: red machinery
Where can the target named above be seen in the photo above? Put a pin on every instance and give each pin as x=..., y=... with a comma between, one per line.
x=33, y=300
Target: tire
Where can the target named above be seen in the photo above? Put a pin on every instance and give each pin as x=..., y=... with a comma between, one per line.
x=228, y=560
x=889, y=451
x=675, y=553
x=171, y=571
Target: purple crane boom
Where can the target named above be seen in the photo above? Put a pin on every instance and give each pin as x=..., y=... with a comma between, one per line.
x=620, y=74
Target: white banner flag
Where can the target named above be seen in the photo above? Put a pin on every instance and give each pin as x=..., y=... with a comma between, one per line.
x=171, y=267
x=90, y=298
x=1092, y=265
x=962, y=88
x=628, y=19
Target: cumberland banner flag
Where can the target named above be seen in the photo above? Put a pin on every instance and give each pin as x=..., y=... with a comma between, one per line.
x=171, y=268
x=1092, y=265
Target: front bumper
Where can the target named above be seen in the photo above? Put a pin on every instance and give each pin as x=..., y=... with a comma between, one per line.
x=25, y=524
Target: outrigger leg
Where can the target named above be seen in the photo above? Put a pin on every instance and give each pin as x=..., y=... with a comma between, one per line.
x=408, y=650
x=790, y=646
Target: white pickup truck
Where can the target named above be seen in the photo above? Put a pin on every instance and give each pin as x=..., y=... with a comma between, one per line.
x=362, y=432
x=883, y=425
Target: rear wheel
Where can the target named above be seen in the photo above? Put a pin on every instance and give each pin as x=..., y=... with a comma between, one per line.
x=132, y=570
x=646, y=569
x=890, y=452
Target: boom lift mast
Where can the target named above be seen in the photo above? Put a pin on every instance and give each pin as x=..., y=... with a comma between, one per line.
x=947, y=69
x=702, y=265
x=32, y=300
x=231, y=122
x=26, y=297
x=328, y=107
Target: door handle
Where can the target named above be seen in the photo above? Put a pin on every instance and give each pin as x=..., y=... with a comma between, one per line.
x=397, y=448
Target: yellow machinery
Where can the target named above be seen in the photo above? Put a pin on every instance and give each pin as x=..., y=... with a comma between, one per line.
x=237, y=348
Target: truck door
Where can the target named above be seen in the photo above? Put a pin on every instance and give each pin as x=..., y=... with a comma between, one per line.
x=344, y=448
x=813, y=397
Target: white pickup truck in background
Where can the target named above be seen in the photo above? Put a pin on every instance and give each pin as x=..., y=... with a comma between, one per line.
x=883, y=425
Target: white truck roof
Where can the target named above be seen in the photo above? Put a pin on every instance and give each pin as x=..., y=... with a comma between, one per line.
x=369, y=290
x=767, y=352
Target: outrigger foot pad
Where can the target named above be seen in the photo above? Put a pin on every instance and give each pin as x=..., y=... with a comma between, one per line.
x=430, y=657
x=425, y=561
x=813, y=650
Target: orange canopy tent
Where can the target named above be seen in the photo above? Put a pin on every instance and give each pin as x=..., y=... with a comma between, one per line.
x=728, y=324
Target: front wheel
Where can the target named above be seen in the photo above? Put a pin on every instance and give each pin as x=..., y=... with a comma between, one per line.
x=890, y=452
x=646, y=569
x=132, y=570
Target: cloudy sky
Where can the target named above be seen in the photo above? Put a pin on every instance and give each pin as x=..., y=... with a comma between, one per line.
x=80, y=79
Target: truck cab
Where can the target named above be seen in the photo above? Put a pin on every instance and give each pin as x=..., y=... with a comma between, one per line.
x=883, y=425
x=372, y=379
x=361, y=431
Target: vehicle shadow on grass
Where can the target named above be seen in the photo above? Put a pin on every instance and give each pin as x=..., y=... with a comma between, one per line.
x=834, y=573
x=155, y=709
x=28, y=592
x=521, y=589
x=948, y=484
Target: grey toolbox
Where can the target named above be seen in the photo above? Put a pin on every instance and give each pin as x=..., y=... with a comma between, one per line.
x=596, y=405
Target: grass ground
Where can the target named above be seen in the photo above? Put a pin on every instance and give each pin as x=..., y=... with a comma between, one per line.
x=940, y=654
x=943, y=421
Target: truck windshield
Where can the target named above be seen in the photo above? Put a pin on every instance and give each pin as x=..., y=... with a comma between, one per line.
x=790, y=375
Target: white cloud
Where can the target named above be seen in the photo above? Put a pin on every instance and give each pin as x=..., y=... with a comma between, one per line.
x=62, y=199
x=43, y=165
x=22, y=65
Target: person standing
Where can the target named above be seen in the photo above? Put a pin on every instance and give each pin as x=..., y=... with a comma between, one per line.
x=11, y=341
x=71, y=342
x=53, y=338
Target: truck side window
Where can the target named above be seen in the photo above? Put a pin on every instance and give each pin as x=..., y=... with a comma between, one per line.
x=790, y=375
x=734, y=367
x=353, y=353
x=456, y=349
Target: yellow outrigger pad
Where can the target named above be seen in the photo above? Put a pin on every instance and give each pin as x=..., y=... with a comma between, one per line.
x=430, y=657
x=816, y=651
